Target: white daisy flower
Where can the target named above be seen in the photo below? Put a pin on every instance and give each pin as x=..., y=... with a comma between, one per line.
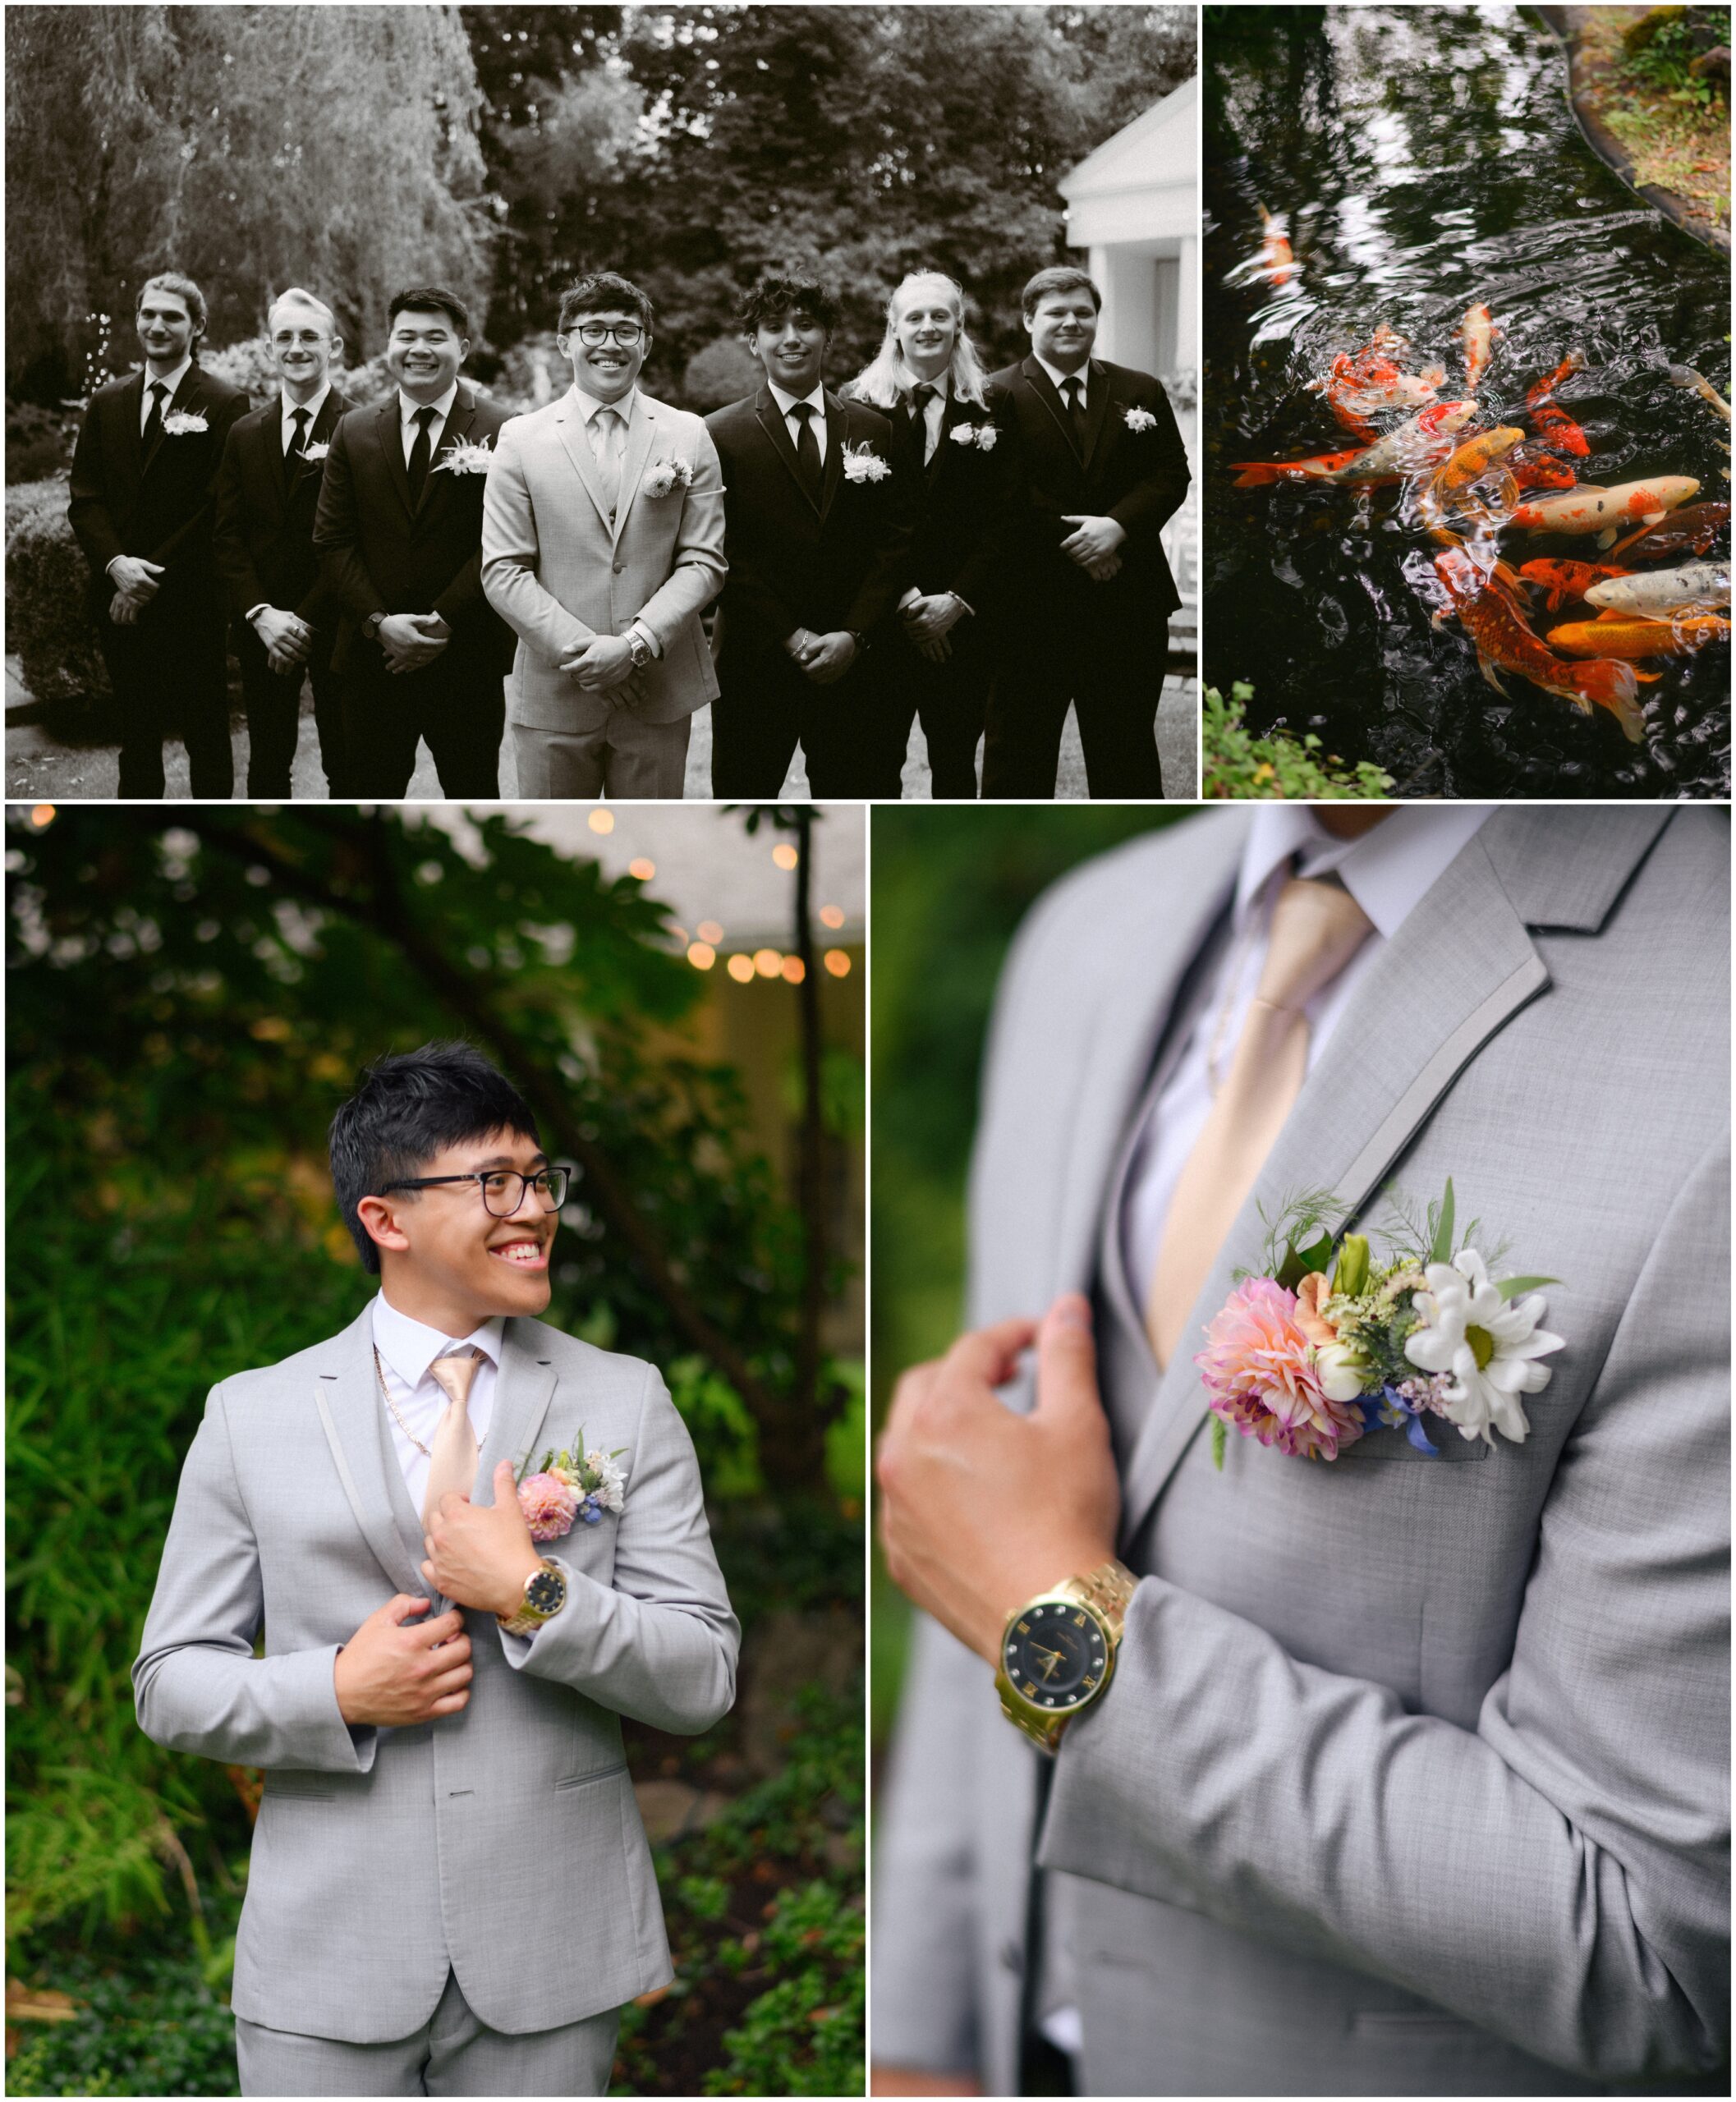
x=1485, y=1346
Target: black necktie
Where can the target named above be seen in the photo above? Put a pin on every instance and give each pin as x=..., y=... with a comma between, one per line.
x=299, y=419
x=920, y=398
x=807, y=449
x=1074, y=391
x=153, y=415
x=419, y=453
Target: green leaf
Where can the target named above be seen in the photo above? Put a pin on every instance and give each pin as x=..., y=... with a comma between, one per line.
x=1219, y=1439
x=1316, y=1255
x=1516, y=1287
x=1442, y=1250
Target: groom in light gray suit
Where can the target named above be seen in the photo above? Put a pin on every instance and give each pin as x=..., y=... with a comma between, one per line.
x=451, y=1892
x=602, y=543
x=1409, y=1774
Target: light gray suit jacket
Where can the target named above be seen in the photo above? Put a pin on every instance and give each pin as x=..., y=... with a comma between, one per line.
x=504, y=1841
x=1412, y=1777
x=559, y=569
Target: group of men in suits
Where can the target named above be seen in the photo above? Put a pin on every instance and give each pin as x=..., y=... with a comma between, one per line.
x=983, y=558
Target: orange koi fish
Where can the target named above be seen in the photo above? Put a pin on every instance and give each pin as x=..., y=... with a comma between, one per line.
x=1689, y=531
x=1568, y=582
x=1476, y=332
x=1504, y=643
x=1588, y=508
x=1551, y=419
x=1476, y=457
x=1622, y=635
x=1362, y=385
x=1276, y=259
x=1533, y=467
x=1421, y=443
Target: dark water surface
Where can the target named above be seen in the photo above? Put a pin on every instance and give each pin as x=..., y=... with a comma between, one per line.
x=1425, y=159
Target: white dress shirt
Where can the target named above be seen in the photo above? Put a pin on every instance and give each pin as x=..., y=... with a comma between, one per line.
x=817, y=421
x=171, y=380
x=1083, y=375
x=1387, y=871
x=407, y=411
x=309, y=408
x=407, y=1348
x=589, y=406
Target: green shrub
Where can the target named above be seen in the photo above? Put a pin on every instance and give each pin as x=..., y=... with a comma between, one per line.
x=47, y=622
x=39, y=441
x=1237, y=764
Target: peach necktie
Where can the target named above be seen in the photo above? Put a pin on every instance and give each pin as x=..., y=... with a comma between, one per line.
x=1317, y=926
x=452, y=1464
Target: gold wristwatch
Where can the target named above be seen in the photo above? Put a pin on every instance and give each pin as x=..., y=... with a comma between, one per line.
x=545, y=1593
x=1057, y=1652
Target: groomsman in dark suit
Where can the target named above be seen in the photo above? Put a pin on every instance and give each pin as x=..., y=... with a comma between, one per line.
x=1103, y=466
x=284, y=612
x=143, y=474
x=420, y=653
x=816, y=528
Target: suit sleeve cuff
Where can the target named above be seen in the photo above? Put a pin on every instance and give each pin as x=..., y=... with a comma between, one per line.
x=304, y=1705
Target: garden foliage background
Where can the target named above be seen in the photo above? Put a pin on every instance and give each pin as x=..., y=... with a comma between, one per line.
x=190, y=997
x=950, y=886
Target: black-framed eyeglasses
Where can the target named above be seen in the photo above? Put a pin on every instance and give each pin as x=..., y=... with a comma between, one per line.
x=502, y=1188
x=591, y=334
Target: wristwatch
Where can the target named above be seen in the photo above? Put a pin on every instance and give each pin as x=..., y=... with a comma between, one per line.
x=1057, y=1652
x=545, y=1593
x=370, y=625
x=640, y=649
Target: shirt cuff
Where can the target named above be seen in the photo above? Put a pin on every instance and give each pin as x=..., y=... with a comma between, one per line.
x=253, y=612
x=651, y=642
x=108, y=567
x=911, y=596
x=967, y=605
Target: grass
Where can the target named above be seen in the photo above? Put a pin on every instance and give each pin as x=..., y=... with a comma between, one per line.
x=1674, y=129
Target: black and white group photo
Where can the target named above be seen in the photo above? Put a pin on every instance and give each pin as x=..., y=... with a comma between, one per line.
x=568, y=402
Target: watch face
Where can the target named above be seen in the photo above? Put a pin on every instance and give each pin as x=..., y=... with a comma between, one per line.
x=1056, y=1655
x=544, y=1591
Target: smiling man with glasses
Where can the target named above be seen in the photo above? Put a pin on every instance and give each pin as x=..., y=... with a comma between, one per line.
x=451, y=1891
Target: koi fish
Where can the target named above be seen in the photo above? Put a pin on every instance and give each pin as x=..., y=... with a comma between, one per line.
x=1426, y=438
x=1562, y=433
x=1504, y=643
x=1476, y=332
x=1588, y=508
x=1689, y=531
x=1658, y=595
x=1476, y=457
x=1533, y=467
x=1276, y=259
x=1566, y=582
x=1362, y=385
x=1684, y=375
x=1620, y=635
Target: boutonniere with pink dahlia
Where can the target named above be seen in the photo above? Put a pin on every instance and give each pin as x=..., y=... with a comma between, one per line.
x=184, y=423
x=664, y=477
x=1330, y=1344
x=563, y=1491
x=984, y=437
x=461, y=458
x=861, y=463
x=1141, y=419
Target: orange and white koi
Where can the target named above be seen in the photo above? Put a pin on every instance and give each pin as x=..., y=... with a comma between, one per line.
x=1276, y=259
x=1621, y=635
x=1476, y=332
x=1662, y=595
x=1362, y=385
x=1588, y=508
x=1423, y=440
x=1504, y=643
x=1566, y=582
x=1553, y=420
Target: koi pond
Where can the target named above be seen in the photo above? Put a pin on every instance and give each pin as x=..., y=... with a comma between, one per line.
x=1408, y=244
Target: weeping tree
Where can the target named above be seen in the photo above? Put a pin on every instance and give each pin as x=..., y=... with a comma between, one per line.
x=190, y=997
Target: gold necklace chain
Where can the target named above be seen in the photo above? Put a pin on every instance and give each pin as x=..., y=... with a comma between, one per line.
x=380, y=1372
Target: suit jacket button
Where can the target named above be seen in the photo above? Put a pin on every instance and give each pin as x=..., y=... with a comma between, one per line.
x=619, y=567
x=1012, y=1958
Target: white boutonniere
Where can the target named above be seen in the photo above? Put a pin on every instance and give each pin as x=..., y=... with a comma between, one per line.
x=863, y=463
x=1141, y=419
x=315, y=451
x=183, y=423
x=664, y=477
x=464, y=458
x=983, y=436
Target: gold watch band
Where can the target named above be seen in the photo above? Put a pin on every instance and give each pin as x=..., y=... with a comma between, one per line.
x=1105, y=1591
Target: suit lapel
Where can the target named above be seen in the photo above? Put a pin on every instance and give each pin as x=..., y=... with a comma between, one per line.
x=1097, y=388
x=131, y=405
x=456, y=430
x=642, y=429
x=838, y=437
x=776, y=431
x=352, y=1413
x=522, y=1399
x=182, y=398
x=1043, y=387
x=570, y=424
x=319, y=432
x=1451, y=978
x=388, y=430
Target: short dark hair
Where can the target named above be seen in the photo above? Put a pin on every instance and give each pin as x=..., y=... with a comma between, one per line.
x=424, y=299
x=407, y=1108
x=178, y=282
x=1061, y=278
x=601, y=291
x=789, y=292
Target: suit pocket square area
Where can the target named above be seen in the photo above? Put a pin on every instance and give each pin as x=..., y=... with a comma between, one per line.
x=585, y=1780
x=1386, y=1444
x=296, y=1788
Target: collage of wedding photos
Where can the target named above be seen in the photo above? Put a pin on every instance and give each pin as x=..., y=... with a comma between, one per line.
x=868, y=963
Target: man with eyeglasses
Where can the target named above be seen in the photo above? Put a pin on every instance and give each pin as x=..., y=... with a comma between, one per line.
x=451, y=1891
x=602, y=543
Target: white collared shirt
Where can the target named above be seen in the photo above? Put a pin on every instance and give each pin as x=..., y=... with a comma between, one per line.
x=1083, y=375
x=816, y=422
x=171, y=380
x=310, y=410
x=934, y=411
x=407, y=1348
x=407, y=412
x=1388, y=871
x=589, y=406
